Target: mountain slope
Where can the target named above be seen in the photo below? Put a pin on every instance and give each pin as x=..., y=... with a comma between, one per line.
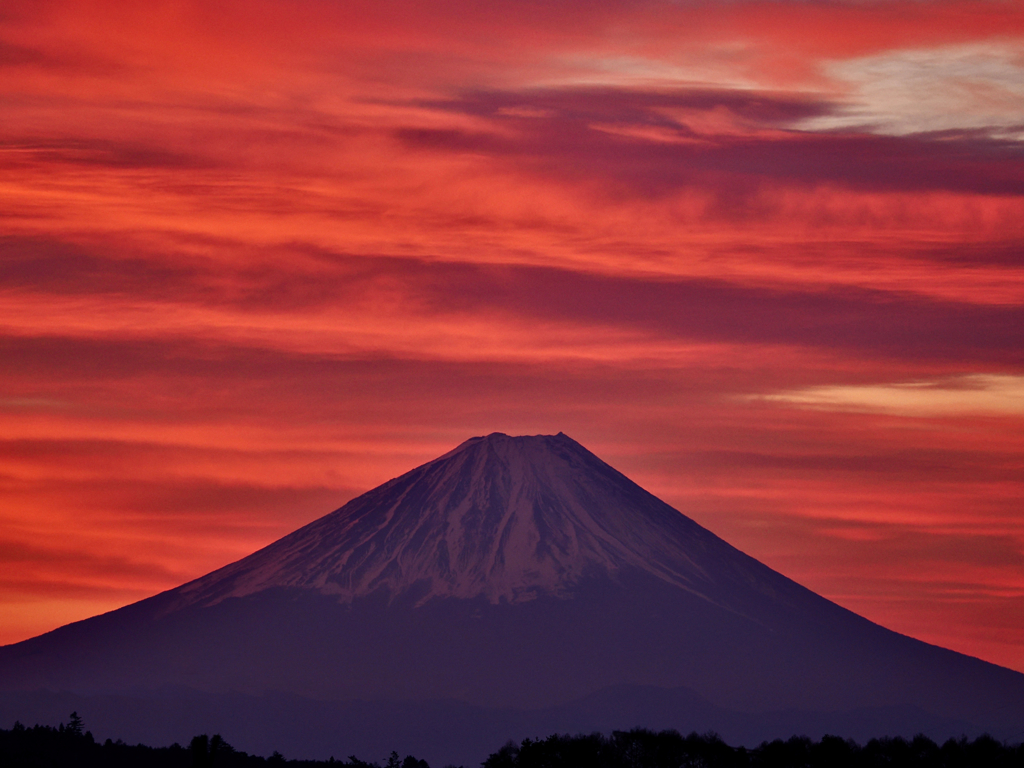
x=513, y=571
x=507, y=519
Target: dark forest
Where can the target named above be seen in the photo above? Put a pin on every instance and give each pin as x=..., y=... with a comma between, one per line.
x=71, y=746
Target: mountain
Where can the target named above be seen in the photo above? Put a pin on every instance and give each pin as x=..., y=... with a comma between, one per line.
x=517, y=576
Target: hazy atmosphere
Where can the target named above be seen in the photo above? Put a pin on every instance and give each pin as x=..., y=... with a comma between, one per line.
x=765, y=258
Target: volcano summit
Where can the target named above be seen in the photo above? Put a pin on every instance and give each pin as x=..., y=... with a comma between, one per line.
x=524, y=577
x=505, y=519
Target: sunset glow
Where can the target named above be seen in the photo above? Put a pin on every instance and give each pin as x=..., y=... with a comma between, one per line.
x=766, y=258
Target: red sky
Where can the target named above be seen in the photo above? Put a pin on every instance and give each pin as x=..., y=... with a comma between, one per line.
x=766, y=258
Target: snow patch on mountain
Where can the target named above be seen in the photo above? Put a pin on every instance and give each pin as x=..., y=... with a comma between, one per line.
x=506, y=518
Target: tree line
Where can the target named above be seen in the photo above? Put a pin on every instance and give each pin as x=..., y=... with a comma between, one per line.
x=641, y=748
x=69, y=745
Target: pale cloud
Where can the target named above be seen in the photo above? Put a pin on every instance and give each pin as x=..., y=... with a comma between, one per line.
x=982, y=393
x=709, y=66
x=953, y=88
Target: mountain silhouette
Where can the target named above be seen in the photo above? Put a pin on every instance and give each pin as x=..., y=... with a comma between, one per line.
x=517, y=573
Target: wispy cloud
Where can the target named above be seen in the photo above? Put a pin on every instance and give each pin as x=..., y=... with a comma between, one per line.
x=968, y=87
x=980, y=393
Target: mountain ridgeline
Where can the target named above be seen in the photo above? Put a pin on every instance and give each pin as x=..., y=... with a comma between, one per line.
x=528, y=581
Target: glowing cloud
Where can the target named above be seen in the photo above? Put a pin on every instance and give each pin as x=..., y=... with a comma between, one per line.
x=978, y=87
x=997, y=394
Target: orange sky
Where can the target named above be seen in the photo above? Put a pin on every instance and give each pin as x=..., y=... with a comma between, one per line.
x=766, y=258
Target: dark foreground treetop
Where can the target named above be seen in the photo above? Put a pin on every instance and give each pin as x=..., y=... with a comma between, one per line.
x=67, y=746
x=641, y=748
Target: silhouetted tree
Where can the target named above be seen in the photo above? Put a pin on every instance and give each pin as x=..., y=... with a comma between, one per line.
x=74, y=726
x=199, y=749
x=506, y=757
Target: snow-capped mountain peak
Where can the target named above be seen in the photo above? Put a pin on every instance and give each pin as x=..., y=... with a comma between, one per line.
x=507, y=518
